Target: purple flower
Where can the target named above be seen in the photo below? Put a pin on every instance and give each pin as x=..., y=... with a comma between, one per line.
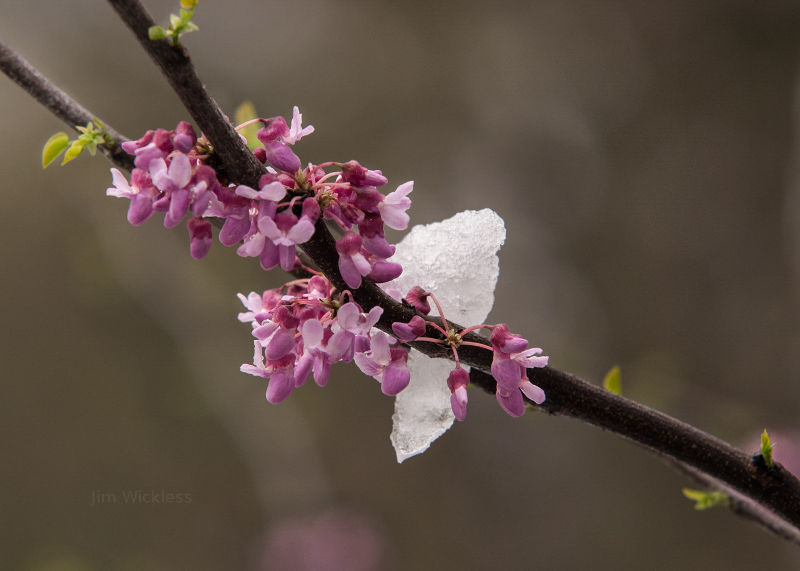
x=314, y=356
x=285, y=231
x=200, y=237
x=297, y=131
x=140, y=191
x=509, y=368
x=235, y=210
x=281, y=156
x=279, y=372
x=418, y=297
x=352, y=263
x=385, y=363
x=383, y=271
x=351, y=330
x=185, y=137
x=394, y=205
x=372, y=237
x=173, y=180
x=273, y=191
x=273, y=128
x=360, y=177
x=457, y=382
x=411, y=330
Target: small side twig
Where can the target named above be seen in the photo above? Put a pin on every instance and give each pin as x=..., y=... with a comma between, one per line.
x=239, y=163
x=62, y=105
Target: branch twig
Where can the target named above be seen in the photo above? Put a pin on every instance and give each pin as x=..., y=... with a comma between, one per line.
x=57, y=101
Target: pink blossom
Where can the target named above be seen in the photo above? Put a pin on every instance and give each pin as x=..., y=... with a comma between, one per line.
x=385, y=363
x=200, y=237
x=394, y=205
x=285, y=231
x=457, y=382
x=352, y=262
x=411, y=330
x=509, y=368
x=361, y=177
x=297, y=131
x=418, y=297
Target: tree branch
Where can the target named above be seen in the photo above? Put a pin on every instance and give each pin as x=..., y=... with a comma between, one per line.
x=57, y=101
x=177, y=68
x=775, y=492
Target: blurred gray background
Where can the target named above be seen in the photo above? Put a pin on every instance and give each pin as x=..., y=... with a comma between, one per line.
x=644, y=157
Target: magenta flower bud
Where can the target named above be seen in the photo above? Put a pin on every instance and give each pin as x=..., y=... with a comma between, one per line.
x=185, y=137
x=140, y=209
x=368, y=199
x=352, y=263
x=378, y=246
x=273, y=128
x=411, y=330
x=458, y=402
x=418, y=297
x=283, y=317
x=457, y=382
x=371, y=226
x=205, y=175
x=267, y=178
x=506, y=342
x=349, y=244
x=260, y=154
x=359, y=176
x=396, y=375
x=163, y=140
x=383, y=271
x=281, y=156
x=311, y=210
x=233, y=230
x=458, y=377
x=131, y=147
x=200, y=237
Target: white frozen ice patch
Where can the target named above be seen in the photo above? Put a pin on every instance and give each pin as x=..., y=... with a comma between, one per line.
x=456, y=259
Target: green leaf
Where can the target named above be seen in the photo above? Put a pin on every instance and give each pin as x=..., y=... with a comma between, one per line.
x=766, y=449
x=174, y=21
x=244, y=113
x=156, y=33
x=54, y=146
x=704, y=500
x=613, y=380
x=72, y=153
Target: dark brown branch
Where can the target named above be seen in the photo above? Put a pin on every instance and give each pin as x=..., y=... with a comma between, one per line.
x=775, y=491
x=239, y=163
x=61, y=104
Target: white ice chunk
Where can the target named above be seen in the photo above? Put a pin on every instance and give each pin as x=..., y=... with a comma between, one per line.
x=456, y=259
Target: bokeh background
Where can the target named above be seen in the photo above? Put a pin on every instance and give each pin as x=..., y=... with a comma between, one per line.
x=644, y=157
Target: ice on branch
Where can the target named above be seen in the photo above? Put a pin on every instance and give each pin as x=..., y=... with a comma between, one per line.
x=457, y=259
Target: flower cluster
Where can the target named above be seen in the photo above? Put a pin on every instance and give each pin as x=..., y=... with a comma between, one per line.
x=169, y=177
x=304, y=327
x=301, y=329
x=511, y=357
x=172, y=176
